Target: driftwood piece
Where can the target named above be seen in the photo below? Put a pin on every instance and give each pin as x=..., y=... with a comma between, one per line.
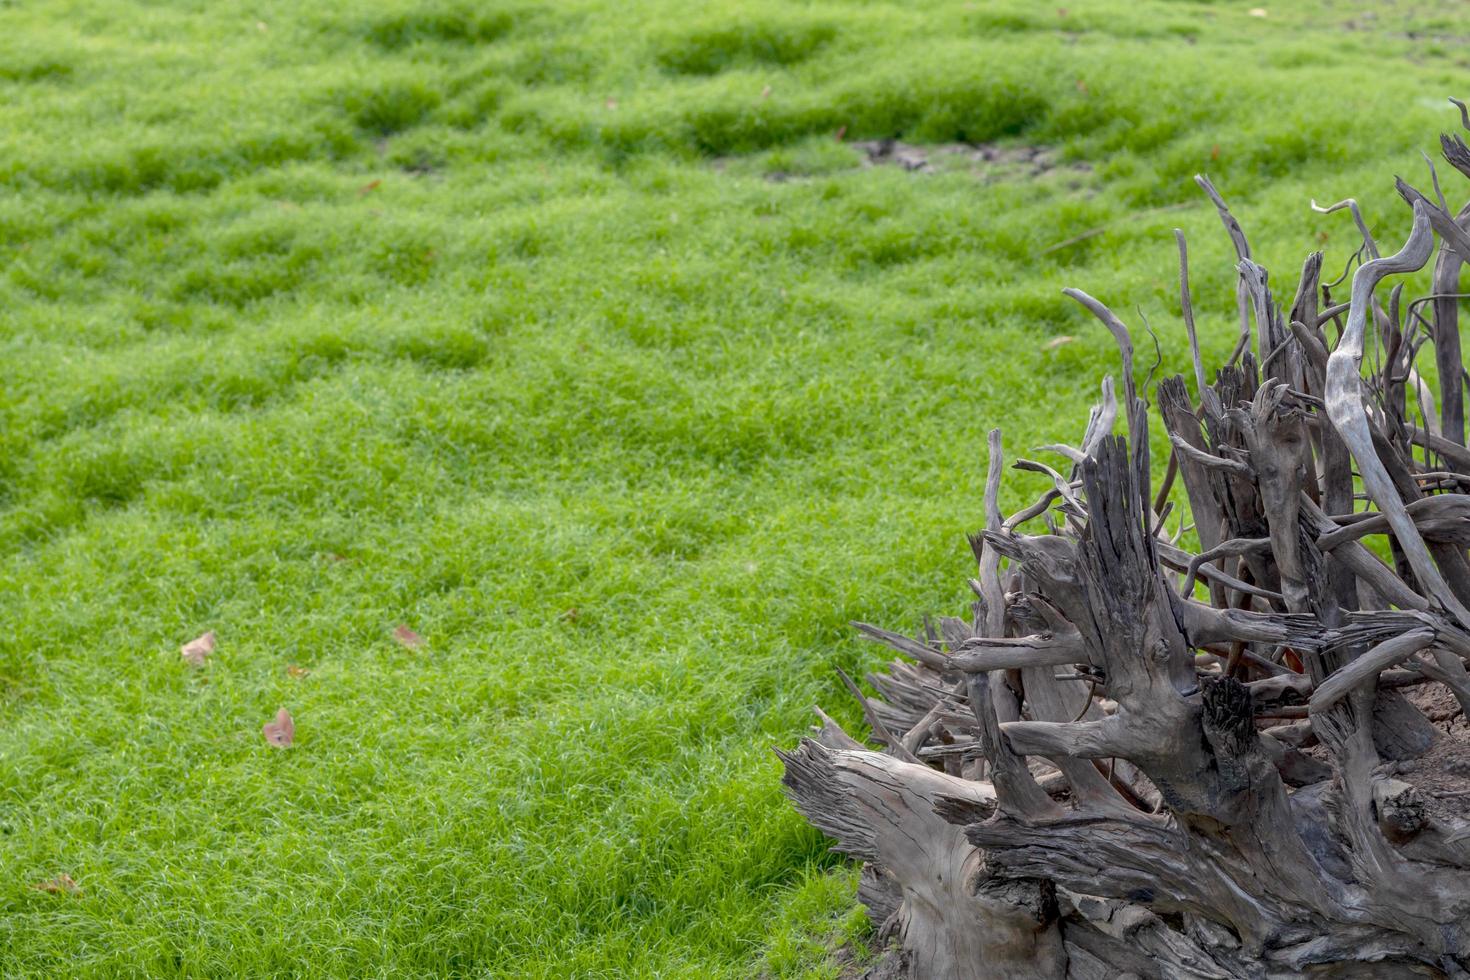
x=1139, y=759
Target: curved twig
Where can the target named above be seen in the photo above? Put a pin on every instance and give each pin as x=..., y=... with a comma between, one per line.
x=1345, y=408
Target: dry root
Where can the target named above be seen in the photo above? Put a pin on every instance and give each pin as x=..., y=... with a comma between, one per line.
x=1134, y=759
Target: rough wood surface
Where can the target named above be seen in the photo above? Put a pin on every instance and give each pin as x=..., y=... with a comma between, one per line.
x=1245, y=760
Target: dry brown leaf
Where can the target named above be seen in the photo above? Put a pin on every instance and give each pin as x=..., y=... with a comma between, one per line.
x=570, y=616
x=198, y=649
x=407, y=637
x=369, y=187
x=1056, y=342
x=281, y=732
x=841, y=132
x=296, y=673
x=62, y=884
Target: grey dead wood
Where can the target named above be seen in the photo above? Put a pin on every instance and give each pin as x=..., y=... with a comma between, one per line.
x=1137, y=758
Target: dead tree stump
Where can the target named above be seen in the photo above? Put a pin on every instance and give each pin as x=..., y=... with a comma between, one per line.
x=1250, y=760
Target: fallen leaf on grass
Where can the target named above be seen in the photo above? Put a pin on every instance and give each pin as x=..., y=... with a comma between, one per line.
x=196, y=650
x=281, y=732
x=407, y=637
x=570, y=616
x=62, y=884
x=1056, y=342
x=296, y=673
x=369, y=187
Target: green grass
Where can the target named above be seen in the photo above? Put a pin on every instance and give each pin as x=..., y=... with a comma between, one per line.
x=488, y=320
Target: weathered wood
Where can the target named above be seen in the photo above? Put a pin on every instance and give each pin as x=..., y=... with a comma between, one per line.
x=1087, y=778
x=953, y=917
x=1366, y=668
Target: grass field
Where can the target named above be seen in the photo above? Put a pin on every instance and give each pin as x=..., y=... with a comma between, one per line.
x=577, y=338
